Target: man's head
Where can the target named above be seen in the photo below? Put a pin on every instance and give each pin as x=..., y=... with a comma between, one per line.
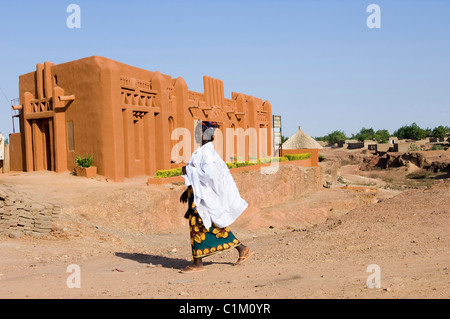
x=204, y=132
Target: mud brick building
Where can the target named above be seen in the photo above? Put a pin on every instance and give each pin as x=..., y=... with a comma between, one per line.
x=125, y=117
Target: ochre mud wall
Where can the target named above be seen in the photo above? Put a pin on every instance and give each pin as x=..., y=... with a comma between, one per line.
x=126, y=116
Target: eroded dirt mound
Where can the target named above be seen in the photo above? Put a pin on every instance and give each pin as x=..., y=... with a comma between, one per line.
x=405, y=236
x=390, y=160
x=436, y=161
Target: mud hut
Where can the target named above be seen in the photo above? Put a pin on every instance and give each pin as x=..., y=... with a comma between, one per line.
x=301, y=140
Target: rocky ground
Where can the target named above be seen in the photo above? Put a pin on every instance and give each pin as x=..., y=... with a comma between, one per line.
x=383, y=217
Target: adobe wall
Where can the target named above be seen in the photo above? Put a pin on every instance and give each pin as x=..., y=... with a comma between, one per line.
x=5, y=162
x=401, y=147
x=86, y=112
x=175, y=106
x=125, y=117
x=15, y=152
x=314, y=158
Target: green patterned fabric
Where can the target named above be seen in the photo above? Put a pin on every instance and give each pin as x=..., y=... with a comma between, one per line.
x=208, y=242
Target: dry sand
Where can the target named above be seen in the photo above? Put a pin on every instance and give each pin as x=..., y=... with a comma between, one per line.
x=404, y=232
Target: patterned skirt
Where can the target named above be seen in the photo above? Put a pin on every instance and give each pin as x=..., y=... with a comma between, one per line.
x=209, y=242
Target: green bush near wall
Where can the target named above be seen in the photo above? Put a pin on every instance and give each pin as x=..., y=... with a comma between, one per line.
x=240, y=164
x=169, y=173
x=296, y=157
x=265, y=160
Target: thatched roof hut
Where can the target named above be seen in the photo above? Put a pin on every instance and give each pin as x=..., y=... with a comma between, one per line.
x=301, y=140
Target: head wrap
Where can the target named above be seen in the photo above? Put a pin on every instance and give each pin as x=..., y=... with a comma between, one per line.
x=207, y=128
x=209, y=124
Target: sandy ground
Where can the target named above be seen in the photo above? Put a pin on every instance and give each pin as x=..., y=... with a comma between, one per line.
x=404, y=232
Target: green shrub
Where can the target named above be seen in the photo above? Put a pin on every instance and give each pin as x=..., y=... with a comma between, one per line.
x=414, y=147
x=230, y=165
x=437, y=147
x=266, y=160
x=296, y=157
x=422, y=174
x=169, y=173
x=240, y=164
x=85, y=161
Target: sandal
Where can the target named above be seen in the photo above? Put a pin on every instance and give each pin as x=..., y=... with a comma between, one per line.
x=242, y=259
x=190, y=269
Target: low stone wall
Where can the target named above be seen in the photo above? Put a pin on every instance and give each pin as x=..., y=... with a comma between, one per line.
x=22, y=215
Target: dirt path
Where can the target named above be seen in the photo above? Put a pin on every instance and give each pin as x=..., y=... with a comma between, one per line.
x=407, y=236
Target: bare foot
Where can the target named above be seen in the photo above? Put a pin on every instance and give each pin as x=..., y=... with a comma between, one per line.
x=244, y=254
x=191, y=269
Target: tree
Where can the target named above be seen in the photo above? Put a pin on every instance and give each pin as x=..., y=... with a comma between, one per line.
x=412, y=131
x=365, y=134
x=321, y=138
x=382, y=136
x=440, y=132
x=335, y=137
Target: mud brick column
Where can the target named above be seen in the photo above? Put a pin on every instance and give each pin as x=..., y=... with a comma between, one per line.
x=128, y=135
x=27, y=144
x=161, y=133
x=59, y=122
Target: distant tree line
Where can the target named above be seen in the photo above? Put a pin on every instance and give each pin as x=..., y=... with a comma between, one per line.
x=413, y=132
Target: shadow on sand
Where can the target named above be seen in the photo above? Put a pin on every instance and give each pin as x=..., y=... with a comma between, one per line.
x=443, y=175
x=166, y=262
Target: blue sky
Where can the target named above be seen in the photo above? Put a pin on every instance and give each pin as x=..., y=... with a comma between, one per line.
x=317, y=62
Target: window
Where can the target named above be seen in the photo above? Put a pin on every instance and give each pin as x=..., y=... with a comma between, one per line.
x=70, y=142
x=137, y=139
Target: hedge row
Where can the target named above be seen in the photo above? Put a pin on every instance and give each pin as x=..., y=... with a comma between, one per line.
x=293, y=157
x=169, y=173
x=296, y=157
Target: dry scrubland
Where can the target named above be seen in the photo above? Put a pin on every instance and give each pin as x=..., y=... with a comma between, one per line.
x=130, y=239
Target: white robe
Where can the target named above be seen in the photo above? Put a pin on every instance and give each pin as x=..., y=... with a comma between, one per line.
x=216, y=195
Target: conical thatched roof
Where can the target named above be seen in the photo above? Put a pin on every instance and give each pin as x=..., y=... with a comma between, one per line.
x=301, y=140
